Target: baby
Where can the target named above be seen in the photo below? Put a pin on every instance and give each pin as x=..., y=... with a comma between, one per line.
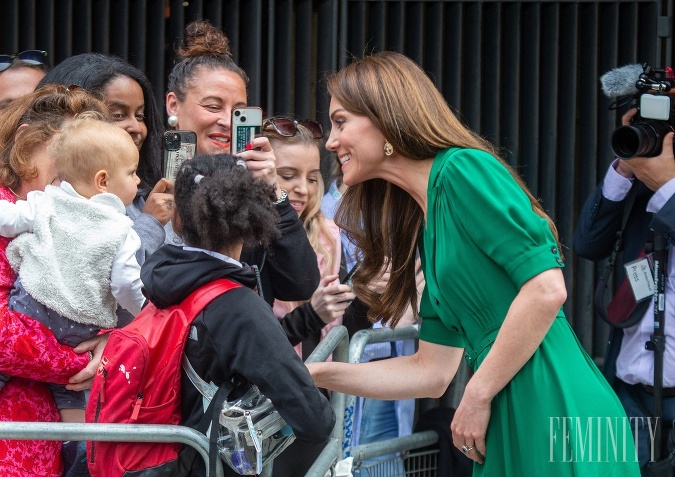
x=74, y=251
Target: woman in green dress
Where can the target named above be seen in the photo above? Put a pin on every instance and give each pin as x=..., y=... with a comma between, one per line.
x=419, y=180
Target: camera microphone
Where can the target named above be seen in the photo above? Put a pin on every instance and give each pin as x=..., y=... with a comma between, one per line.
x=621, y=81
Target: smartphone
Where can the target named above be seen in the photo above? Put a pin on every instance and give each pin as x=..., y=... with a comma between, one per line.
x=348, y=278
x=178, y=146
x=246, y=125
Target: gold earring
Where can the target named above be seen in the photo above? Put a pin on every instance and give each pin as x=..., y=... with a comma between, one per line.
x=388, y=148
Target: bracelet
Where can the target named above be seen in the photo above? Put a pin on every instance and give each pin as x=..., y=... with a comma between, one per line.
x=281, y=198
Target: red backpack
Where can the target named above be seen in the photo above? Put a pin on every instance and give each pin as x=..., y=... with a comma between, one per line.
x=138, y=381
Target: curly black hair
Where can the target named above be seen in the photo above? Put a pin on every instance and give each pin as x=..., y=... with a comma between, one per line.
x=225, y=206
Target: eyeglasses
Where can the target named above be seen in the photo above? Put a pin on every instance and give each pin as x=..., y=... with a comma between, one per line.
x=289, y=127
x=31, y=57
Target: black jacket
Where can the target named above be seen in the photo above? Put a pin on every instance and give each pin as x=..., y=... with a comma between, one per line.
x=236, y=335
x=595, y=236
x=288, y=267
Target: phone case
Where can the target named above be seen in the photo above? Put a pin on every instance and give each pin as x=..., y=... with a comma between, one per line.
x=178, y=146
x=246, y=125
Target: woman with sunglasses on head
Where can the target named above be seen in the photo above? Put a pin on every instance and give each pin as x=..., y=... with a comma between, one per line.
x=28, y=350
x=536, y=403
x=204, y=86
x=128, y=95
x=296, y=146
x=20, y=73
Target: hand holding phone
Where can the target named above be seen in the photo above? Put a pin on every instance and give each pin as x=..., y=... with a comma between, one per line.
x=178, y=146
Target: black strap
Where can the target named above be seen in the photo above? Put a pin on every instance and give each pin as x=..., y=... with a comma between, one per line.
x=210, y=418
x=213, y=411
x=600, y=306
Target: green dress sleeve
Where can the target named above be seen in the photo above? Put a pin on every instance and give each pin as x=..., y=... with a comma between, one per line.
x=497, y=216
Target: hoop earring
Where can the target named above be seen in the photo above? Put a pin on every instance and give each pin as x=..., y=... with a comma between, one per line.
x=172, y=120
x=388, y=148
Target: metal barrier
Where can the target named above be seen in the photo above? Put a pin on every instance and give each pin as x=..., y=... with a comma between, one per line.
x=60, y=431
x=399, y=446
x=356, y=347
x=337, y=343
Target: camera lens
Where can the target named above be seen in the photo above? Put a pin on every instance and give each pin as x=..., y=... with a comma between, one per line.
x=243, y=119
x=642, y=139
x=237, y=113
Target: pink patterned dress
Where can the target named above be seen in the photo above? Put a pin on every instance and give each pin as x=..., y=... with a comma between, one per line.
x=29, y=353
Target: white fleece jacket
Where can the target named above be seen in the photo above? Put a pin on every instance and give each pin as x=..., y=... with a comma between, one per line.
x=75, y=255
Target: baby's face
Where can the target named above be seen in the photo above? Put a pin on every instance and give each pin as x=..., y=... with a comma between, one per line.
x=123, y=181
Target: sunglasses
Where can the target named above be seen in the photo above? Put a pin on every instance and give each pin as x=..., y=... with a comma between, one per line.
x=289, y=127
x=31, y=57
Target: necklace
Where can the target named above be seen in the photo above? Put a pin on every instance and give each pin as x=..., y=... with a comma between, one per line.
x=15, y=194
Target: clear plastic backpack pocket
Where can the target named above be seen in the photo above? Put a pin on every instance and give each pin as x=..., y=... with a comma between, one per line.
x=251, y=432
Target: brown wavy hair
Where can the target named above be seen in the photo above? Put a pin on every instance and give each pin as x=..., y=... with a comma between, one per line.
x=381, y=218
x=33, y=119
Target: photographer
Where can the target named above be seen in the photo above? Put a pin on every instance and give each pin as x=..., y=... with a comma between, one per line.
x=629, y=367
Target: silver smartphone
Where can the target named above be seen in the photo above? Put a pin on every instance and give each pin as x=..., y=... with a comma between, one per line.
x=246, y=125
x=178, y=146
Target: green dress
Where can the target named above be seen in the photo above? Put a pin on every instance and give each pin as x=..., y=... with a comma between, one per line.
x=558, y=416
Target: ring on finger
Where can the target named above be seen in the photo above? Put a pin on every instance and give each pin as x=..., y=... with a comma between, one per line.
x=467, y=449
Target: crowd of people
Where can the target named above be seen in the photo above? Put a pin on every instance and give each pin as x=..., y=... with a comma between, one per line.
x=91, y=231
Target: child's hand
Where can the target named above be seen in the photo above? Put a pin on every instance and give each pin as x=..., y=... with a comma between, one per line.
x=84, y=379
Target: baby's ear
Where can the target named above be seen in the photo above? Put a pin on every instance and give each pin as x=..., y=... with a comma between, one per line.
x=101, y=181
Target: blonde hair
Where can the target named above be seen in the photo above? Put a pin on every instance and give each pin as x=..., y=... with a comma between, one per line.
x=380, y=217
x=86, y=145
x=314, y=221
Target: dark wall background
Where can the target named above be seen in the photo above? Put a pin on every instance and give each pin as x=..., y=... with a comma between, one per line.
x=524, y=74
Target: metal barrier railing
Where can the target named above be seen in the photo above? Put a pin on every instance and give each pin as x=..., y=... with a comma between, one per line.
x=356, y=347
x=337, y=343
x=160, y=433
x=397, y=444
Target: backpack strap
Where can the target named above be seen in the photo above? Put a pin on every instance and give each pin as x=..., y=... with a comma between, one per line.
x=192, y=305
x=208, y=390
x=196, y=301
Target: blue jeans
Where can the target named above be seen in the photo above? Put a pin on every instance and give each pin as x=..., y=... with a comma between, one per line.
x=639, y=423
x=379, y=422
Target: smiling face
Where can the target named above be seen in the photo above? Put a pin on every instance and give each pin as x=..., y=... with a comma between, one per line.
x=207, y=107
x=298, y=172
x=358, y=143
x=125, y=100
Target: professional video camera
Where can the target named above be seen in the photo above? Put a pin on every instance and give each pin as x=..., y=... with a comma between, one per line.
x=651, y=89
